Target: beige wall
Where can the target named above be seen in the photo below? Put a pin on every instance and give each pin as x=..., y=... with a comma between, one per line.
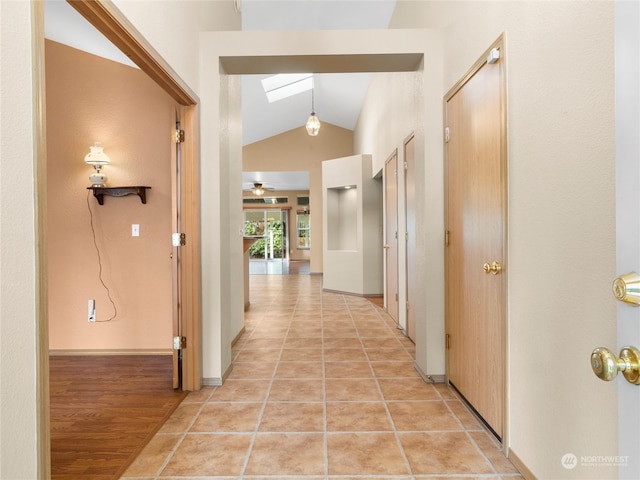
x=90, y=98
x=296, y=151
x=561, y=212
x=20, y=372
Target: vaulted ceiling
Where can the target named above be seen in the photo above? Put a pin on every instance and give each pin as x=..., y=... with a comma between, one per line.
x=338, y=97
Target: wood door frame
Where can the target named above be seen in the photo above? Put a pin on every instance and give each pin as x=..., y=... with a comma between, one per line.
x=409, y=312
x=393, y=155
x=116, y=28
x=499, y=43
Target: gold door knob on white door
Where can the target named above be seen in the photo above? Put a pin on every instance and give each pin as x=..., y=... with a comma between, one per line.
x=626, y=288
x=606, y=365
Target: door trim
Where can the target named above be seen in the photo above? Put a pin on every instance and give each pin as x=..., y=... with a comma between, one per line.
x=387, y=296
x=107, y=19
x=499, y=43
x=42, y=317
x=409, y=309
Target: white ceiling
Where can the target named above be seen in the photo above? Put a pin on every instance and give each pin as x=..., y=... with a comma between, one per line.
x=338, y=97
x=276, y=180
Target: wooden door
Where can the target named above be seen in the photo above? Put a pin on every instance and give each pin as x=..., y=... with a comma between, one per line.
x=476, y=228
x=391, y=234
x=410, y=212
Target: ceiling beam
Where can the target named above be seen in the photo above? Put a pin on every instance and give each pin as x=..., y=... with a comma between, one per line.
x=273, y=64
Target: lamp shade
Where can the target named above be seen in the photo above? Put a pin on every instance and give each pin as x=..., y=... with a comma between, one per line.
x=96, y=156
x=313, y=125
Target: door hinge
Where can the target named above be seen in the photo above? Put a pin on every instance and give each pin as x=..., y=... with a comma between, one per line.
x=178, y=239
x=447, y=135
x=406, y=166
x=406, y=236
x=407, y=306
x=446, y=238
x=447, y=338
x=396, y=297
x=179, y=343
x=178, y=136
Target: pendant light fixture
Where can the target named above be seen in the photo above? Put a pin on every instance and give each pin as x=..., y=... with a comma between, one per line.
x=313, y=123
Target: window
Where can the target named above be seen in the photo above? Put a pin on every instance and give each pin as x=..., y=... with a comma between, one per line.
x=303, y=200
x=303, y=231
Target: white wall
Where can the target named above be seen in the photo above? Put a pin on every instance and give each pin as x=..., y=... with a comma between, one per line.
x=396, y=105
x=18, y=296
x=628, y=218
x=173, y=28
x=561, y=211
x=352, y=226
x=221, y=161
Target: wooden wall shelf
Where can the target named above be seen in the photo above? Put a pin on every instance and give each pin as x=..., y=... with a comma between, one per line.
x=100, y=192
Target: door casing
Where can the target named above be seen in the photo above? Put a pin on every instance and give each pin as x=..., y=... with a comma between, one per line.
x=391, y=234
x=410, y=239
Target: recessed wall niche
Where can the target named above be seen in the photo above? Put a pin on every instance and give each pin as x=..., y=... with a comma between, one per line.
x=352, y=226
x=342, y=217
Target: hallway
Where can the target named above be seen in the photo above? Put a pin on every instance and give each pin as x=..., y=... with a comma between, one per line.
x=323, y=387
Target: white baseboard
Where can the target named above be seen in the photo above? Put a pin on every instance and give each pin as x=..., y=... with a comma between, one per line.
x=212, y=382
x=429, y=378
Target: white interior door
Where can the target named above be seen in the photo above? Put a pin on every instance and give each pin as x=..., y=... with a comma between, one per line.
x=627, y=69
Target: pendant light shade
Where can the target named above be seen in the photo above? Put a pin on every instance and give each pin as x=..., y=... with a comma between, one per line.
x=313, y=123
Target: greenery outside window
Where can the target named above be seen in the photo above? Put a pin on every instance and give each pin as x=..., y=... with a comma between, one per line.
x=303, y=231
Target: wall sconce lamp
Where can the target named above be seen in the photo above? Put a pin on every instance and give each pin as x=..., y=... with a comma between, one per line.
x=313, y=123
x=98, y=159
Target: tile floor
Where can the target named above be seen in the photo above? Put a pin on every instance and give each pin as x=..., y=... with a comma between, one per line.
x=323, y=387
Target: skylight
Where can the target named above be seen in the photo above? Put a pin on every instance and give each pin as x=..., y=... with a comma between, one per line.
x=286, y=85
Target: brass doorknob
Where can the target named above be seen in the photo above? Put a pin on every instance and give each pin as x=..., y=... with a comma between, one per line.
x=386, y=246
x=606, y=365
x=492, y=268
x=626, y=288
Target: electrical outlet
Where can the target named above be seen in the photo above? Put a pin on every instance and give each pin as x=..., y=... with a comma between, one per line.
x=135, y=230
x=91, y=316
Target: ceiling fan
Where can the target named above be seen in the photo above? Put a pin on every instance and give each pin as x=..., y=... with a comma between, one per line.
x=257, y=188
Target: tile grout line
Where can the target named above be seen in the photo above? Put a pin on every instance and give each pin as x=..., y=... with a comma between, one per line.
x=388, y=412
x=264, y=404
x=183, y=435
